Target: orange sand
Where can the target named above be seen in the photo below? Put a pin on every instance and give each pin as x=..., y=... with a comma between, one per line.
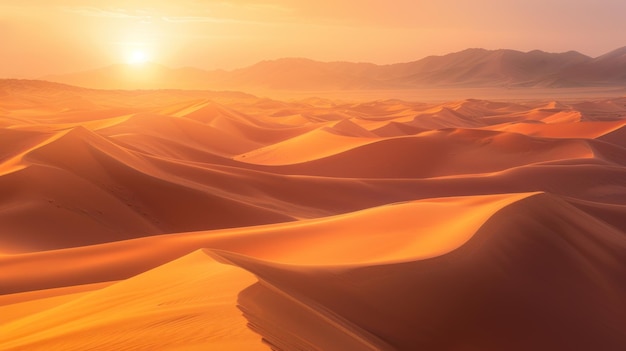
x=190, y=220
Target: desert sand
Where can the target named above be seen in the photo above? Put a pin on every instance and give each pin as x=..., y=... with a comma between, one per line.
x=193, y=220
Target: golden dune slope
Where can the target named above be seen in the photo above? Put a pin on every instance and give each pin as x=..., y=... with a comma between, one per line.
x=194, y=220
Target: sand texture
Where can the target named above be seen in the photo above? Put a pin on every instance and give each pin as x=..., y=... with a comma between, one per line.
x=196, y=220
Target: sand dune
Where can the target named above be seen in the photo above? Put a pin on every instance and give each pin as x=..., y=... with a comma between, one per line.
x=489, y=293
x=431, y=154
x=189, y=220
x=187, y=304
x=307, y=248
x=314, y=241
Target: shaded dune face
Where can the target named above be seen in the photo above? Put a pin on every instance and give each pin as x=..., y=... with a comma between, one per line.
x=190, y=220
x=488, y=293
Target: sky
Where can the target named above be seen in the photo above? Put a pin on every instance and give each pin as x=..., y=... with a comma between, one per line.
x=40, y=37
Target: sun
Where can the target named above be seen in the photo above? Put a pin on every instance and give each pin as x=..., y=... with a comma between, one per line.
x=137, y=57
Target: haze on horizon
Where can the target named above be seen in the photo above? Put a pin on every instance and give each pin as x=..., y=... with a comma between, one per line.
x=39, y=37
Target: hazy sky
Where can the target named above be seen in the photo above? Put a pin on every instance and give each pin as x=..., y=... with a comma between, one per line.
x=39, y=37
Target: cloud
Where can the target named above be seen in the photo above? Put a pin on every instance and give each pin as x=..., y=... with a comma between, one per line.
x=186, y=19
x=210, y=19
x=110, y=13
x=145, y=16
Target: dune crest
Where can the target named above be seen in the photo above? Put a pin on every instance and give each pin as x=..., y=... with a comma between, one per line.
x=194, y=220
x=187, y=304
x=489, y=293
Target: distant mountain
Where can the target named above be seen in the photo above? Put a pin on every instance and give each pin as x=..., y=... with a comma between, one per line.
x=23, y=93
x=146, y=76
x=468, y=68
x=479, y=67
x=8, y=86
x=304, y=74
x=608, y=69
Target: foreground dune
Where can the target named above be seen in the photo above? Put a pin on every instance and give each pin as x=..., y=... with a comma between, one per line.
x=195, y=220
x=186, y=304
x=353, y=238
x=339, y=283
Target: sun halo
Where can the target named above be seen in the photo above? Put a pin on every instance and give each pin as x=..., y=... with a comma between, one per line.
x=137, y=57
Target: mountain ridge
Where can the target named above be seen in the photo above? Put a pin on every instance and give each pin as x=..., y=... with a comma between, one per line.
x=473, y=67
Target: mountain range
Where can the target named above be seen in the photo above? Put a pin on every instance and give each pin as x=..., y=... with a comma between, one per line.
x=467, y=68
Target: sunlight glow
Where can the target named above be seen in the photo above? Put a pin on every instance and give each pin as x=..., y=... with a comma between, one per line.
x=137, y=57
